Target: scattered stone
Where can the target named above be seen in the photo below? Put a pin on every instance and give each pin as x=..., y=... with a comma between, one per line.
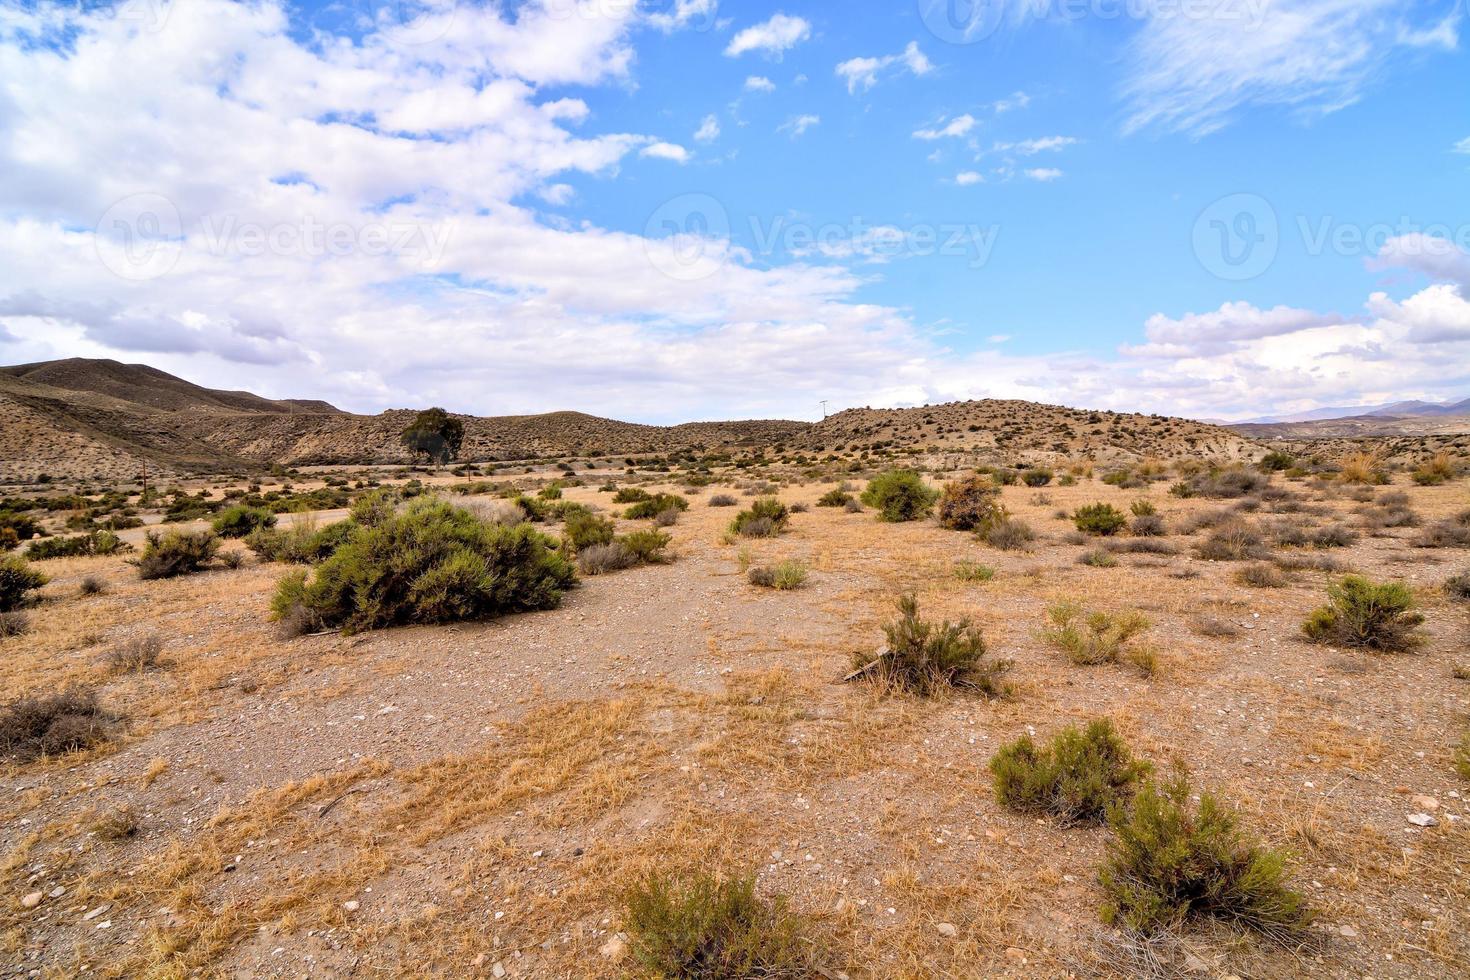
x=1013, y=953
x=32, y=900
x=88, y=917
x=352, y=906
x=498, y=969
x=614, y=948
x=948, y=930
x=1426, y=803
x=1348, y=932
x=1422, y=820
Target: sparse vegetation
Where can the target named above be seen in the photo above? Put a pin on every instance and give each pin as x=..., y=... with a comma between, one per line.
x=17, y=581
x=175, y=553
x=78, y=546
x=433, y=563
x=1261, y=576
x=1458, y=587
x=723, y=500
x=1172, y=861
x=1362, y=614
x=1008, y=534
x=1078, y=778
x=766, y=518
x=1099, y=519
x=136, y=654
x=783, y=575
x=1093, y=638
x=655, y=505
x=698, y=926
x=14, y=623
x=972, y=571
x=970, y=504
x=48, y=725
x=925, y=657
x=237, y=522
x=900, y=495
x=835, y=498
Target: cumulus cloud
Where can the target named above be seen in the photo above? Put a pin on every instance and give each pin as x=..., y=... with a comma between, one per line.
x=966, y=178
x=665, y=151
x=759, y=83
x=1044, y=174
x=772, y=38
x=861, y=74
x=684, y=13
x=709, y=130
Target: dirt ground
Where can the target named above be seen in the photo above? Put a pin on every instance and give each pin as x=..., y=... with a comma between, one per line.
x=473, y=800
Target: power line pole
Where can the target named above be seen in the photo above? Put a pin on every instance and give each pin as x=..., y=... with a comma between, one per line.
x=824, y=408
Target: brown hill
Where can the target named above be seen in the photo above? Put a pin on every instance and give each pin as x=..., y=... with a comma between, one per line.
x=103, y=419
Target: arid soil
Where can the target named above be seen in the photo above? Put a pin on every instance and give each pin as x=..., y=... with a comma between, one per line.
x=473, y=800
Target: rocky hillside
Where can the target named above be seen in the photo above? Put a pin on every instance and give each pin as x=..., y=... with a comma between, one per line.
x=80, y=419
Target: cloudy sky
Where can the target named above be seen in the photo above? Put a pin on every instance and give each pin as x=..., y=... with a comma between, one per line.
x=676, y=209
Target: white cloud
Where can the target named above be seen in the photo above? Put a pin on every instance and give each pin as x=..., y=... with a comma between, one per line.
x=665, y=151
x=1044, y=174
x=759, y=83
x=862, y=73
x=1031, y=147
x=772, y=38
x=966, y=178
x=1017, y=100
x=797, y=125
x=709, y=130
x=1463, y=146
x=1195, y=74
x=958, y=126
x=684, y=13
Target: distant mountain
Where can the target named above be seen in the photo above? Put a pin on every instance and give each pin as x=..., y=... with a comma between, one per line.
x=1404, y=409
x=82, y=418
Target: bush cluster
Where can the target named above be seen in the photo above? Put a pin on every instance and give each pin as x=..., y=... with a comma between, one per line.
x=433, y=563
x=971, y=504
x=240, y=520
x=783, y=575
x=301, y=544
x=655, y=505
x=1093, y=638
x=925, y=657
x=174, y=553
x=1078, y=778
x=44, y=725
x=900, y=495
x=79, y=546
x=17, y=580
x=835, y=498
x=1362, y=614
x=1103, y=520
x=766, y=518
x=1171, y=861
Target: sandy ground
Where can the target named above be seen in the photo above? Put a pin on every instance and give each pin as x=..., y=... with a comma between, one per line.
x=472, y=800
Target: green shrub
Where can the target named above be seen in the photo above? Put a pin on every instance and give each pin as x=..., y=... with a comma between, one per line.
x=784, y=575
x=646, y=546
x=239, y=521
x=834, y=498
x=971, y=504
x=372, y=509
x=1361, y=614
x=630, y=495
x=433, y=563
x=700, y=928
x=1036, y=477
x=303, y=543
x=1092, y=638
x=1098, y=558
x=900, y=495
x=176, y=553
x=766, y=518
x=79, y=546
x=584, y=528
x=1143, y=508
x=971, y=571
x=599, y=559
x=1276, y=461
x=17, y=579
x=1171, y=862
x=926, y=657
x=655, y=505
x=9, y=540
x=1078, y=778
x=1099, y=519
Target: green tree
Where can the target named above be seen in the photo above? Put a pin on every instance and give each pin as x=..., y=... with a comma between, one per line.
x=435, y=435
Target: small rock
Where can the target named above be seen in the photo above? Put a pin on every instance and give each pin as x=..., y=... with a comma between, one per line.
x=88, y=917
x=614, y=948
x=947, y=930
x=1012, y=953
x=498, y=970
x=32, y=900
x=1426, y=803
x=1422, y=820
x=1347, y=932
x=352, y=906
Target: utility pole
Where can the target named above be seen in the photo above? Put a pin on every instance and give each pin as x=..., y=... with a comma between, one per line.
x=824, y=408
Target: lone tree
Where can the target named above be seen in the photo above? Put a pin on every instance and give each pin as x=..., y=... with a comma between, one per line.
x=435, y=435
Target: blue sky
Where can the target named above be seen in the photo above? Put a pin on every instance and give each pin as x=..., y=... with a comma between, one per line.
x=686, y=209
